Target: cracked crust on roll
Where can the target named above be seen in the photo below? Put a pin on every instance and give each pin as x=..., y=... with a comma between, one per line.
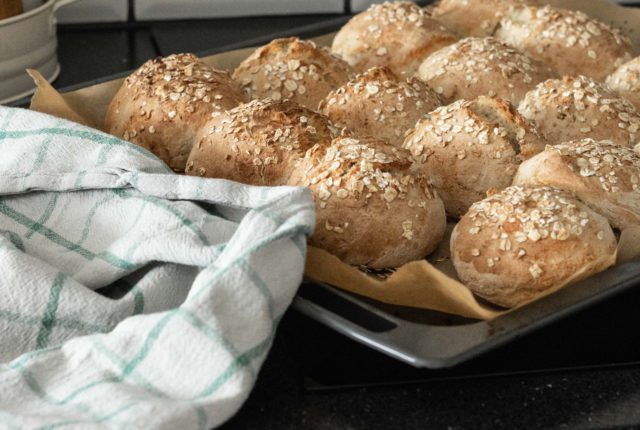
x=602, y=174
x=378, y=103
x=258, y=143
x=473, y=17
x=162, y=105
x=292, y=69
x=577, y=107
x=625, y=81
x=518, y=243
x=398, y=35
x=470, y=147
x=372, y=209
x=478, y=66
x=569, y=42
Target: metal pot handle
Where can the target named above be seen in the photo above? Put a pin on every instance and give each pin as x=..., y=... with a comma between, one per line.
x=61, y=3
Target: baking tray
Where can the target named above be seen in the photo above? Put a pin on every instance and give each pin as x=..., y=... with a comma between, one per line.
x=425, y=338
x=434, y=340
x=429, y=339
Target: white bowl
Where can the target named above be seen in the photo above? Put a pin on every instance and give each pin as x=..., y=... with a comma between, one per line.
x=28, y=42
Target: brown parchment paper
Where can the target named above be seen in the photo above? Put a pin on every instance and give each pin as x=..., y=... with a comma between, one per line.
x=428, y=284
x=433, y=283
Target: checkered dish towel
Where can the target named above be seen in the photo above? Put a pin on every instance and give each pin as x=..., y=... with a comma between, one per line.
x=123, y=303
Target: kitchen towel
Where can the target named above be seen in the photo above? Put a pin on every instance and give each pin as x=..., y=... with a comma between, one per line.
x=132, y=297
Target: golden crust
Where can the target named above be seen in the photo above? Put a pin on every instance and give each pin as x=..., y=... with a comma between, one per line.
x=568, y=41
x=161, y=105
x=398, y=35
x=625, y=81
x=516, y=244
x=372, y=210
x=602, y=174
x=292, y=69
x=470, y=147
x=481, y=66
x=473, y=17
x=257, y=143
x=577, y=107
x=378, y=103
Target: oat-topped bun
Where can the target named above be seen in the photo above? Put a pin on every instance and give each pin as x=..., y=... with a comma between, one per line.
x=602, y=174
x=473, y=17
x=577, y=107
x=469, y=147
x=514, y=245
x=625, y=80
x=257, y=143
x=371, y=209
x=162, y=105
x=378, y=103
x=395, y=34
x=292, y=69
x=481, y=66
x=568, y=41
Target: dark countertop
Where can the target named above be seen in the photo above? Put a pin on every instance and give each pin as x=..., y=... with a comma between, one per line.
x=583, y=372
x=580, y=373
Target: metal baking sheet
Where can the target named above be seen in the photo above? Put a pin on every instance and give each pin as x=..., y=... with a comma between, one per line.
x=430, y=339
x=434, y=340
x=425, y=338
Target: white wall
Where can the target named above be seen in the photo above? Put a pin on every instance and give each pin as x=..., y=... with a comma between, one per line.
x=94, y=11
x=173, y=9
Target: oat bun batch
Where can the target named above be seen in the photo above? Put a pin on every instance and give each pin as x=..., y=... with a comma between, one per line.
x=516, y=120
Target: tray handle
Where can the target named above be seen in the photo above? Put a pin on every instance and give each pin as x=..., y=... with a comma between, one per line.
x=436, y=346
x=350, y=329
x=420, y=345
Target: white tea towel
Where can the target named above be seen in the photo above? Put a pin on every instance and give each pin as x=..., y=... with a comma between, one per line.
x=125, y=304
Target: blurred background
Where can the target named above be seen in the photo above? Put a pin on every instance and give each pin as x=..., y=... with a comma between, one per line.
x=87, y=11
x=101, y=38
x=95, y=39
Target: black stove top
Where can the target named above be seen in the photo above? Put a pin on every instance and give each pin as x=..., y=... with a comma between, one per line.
x=605, y=336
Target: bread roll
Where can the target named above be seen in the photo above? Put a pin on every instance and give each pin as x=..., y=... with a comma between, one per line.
x=371, y=209
x=257, y=143
x=481, y=66
x=472, y=17
x=568, y=41
x=516, y=244
x=469, y=147
x=625, y=81
x=162, y=105
x=377, y=103
x=602, y=174
x=577, y=107
x=292, y=69
x=395, y=34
